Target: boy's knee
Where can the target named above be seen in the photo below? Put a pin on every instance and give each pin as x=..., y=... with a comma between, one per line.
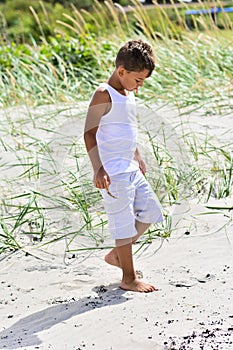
x=123, y=242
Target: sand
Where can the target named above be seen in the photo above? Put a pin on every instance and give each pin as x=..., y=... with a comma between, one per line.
x=55, y=300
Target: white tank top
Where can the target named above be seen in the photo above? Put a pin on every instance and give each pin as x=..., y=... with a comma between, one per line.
x=117, y=134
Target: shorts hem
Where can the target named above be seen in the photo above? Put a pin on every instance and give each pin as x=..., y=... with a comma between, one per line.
x=153, y=221
x=124, y=237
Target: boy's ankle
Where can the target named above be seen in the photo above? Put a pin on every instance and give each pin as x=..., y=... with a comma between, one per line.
x=129, y=278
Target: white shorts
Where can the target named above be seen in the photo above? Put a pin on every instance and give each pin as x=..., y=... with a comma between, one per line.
x=134, y=200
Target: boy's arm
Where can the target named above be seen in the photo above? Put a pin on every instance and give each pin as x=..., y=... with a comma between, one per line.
x=99, y=106
x=138, y=158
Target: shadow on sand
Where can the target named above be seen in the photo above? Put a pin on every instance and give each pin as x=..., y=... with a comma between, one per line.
x=24, y=332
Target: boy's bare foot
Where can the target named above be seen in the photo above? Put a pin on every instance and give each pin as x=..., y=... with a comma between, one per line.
x=112, y=259
x=138, y=286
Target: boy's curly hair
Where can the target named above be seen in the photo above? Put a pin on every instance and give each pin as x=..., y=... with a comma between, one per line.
x=136, y=55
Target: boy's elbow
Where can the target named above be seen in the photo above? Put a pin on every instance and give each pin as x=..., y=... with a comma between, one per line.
x=89, y=138
x=90, y=133
x=86, y=136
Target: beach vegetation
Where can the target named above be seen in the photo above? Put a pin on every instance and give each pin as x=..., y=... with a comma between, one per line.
x=51, y=60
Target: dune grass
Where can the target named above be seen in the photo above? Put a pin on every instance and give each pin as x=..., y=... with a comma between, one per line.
x=46, y=187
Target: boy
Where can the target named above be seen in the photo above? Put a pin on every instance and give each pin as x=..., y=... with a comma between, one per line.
x=110, y=137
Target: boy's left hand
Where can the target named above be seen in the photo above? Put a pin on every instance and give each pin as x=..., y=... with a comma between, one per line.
x=142, y=166
x=138, y=158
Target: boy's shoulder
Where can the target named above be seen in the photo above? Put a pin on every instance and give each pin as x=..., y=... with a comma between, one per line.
x=101, y=95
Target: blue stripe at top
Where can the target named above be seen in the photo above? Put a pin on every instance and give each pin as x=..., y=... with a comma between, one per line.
x=209, y=11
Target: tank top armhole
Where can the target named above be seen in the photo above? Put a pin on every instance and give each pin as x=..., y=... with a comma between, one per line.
x=105, y=86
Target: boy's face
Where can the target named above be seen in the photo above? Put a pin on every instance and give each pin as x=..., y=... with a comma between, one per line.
x=132, y=80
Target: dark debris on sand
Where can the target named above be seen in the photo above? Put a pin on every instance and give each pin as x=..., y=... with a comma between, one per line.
x=214, y=339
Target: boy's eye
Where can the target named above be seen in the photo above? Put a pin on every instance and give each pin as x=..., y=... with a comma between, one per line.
x=137, y=81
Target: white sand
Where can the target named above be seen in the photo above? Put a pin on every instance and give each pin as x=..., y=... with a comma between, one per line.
x=48, y=301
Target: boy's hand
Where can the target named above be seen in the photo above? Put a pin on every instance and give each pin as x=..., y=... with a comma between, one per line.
x=138, y=158
x=142, y=166
x=101, y=179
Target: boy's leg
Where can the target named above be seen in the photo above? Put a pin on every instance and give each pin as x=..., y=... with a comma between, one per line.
x=129, y=279
x=141, y=227
x=112, y=257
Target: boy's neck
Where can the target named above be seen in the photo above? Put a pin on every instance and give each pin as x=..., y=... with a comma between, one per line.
x=115, y=83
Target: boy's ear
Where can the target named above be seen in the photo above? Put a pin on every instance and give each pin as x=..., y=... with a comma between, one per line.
x=120, y=71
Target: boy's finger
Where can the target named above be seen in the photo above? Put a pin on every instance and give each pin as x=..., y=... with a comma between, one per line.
x=106, y=182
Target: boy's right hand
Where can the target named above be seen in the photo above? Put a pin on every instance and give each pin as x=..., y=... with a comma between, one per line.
x=101, y=179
